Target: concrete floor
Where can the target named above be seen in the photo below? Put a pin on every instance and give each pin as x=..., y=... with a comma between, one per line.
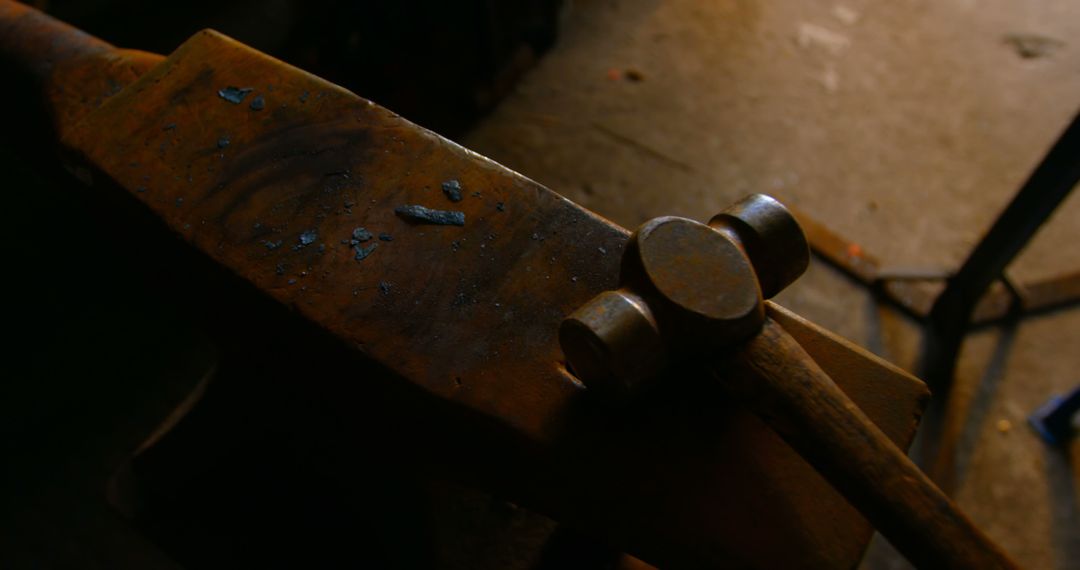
x=904, y=125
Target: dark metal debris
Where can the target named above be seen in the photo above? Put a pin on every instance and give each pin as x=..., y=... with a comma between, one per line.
x=141, y=189
x=272, y=245
x=170, y=127
x=363, y=252
x=384, y=287
x=500, y=207
x=280, y=269
x=360, y=235
x=234, y=95
x=303, y=97
x=452, y=189
x=223, y=141
x=258, y=103
x=420, y=214
x=386, y=237
x=307, y=238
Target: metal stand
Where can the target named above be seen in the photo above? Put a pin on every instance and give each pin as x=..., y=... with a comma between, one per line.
x=952, y=312
x=970, y=296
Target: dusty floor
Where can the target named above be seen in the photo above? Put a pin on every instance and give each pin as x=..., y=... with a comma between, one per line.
x=904, y=125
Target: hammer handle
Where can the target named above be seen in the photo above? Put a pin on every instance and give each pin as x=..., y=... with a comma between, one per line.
x=783, y=385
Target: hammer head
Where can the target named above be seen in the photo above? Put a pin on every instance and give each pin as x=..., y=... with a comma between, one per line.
x=685, y=287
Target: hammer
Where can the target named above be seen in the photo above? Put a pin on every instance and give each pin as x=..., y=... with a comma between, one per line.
x=688, y=290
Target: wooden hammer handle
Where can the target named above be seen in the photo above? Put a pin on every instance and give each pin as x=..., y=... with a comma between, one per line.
x=780, y=382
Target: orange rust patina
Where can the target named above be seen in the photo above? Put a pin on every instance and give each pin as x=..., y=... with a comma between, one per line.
x=271, y=171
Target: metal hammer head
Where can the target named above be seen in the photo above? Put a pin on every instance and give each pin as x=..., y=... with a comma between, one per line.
x=685, y=287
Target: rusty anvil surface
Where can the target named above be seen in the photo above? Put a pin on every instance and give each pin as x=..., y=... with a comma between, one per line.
x=274, y=191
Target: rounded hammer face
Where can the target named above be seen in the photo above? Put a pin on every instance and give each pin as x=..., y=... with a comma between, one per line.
x=698, y=277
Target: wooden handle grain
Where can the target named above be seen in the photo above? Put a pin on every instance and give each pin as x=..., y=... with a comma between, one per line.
x=777, y=379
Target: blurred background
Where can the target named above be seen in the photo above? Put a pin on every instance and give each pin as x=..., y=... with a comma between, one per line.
x=904, y=126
